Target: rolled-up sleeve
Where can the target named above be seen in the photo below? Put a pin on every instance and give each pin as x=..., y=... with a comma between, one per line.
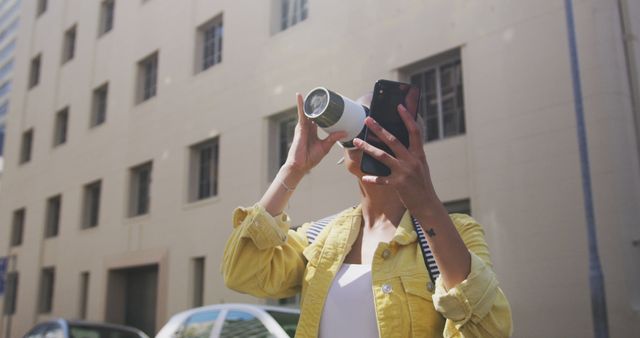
x=262, y=256
x=476, y=307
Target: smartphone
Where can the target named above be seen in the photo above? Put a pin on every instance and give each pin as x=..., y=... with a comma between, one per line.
x=387, y=95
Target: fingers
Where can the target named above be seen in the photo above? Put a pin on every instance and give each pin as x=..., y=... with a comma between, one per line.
x=330, y=140
x=375, y=180
x=415, y=138
x=376, y=153
x=386, y=137
x=302, y=119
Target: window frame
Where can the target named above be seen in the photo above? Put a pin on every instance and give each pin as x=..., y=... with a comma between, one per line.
x=139, y=190
x=435, y=64
x=89, y=201
x=147, y=84
x=216, y=45
x=99, y=105
x=107, y=17
x=26, y=146
x=61, y=127
x=46, y=292
x=41, y=8
x=35, y=70
x=69, y=44
x=17, y=228
x=53, y=216
x=291, y=13
x=196, y=170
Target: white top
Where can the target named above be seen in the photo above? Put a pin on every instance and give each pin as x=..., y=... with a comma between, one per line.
x=349, y=310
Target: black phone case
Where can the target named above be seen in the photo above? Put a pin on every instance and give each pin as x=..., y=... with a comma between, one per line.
x=368, y=164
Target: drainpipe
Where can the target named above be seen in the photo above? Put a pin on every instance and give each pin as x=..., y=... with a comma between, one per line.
x=596, y=279
x=632, y=71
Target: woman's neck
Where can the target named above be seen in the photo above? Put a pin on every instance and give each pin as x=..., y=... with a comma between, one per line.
x=380, y=204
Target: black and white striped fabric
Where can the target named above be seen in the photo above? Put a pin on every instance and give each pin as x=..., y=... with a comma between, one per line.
x=317, y=226
x=429, y=261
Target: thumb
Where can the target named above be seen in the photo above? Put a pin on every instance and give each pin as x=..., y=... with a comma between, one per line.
x=328, y=142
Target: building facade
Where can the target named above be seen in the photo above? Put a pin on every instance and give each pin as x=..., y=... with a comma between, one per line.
x=9, y=22
x=136, y=127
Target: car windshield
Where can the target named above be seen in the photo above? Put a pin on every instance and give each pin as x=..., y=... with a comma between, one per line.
x=288, y=321
x=91, y=331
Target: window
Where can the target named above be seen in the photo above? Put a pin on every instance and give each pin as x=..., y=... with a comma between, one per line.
x=240, y=323
x=91, y=205
x=84, y=294
x=107, y=9
x=42, y=7
x=2, y=132
x=198, y=281
x=140, y=183
x=441, y=102
x=52, y=225
x=45, y=299
x=34, y=73
x=199, y=325
x=210, y=44
x=204, y=170
x=17, y=228
x=60, y=128
x=459, y=207
x=99, y=105
x=292, y=12
x=11, y=293
x=147, y=77
x=287, y=320
x=69, y=45
x=281, y=129
x=26, y=146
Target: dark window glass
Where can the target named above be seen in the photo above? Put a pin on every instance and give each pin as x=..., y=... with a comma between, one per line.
x=140, y=189
x=287, y=128
x=107, y=10
x=11, y=293
x=91, y=204
x=148, y=70
x=212, y=44
x=243, y=324
x=27, y=145
x=54, y=205
x=206, y=169
x=17, y=228
x=34, y=72
x=69, y=48
x=100, y=97
x=47, y=280
x=61, y=127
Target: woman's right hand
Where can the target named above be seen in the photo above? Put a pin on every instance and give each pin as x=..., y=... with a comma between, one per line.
x=307, y=149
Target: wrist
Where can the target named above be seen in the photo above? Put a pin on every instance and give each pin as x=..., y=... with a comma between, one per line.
x=290, y=175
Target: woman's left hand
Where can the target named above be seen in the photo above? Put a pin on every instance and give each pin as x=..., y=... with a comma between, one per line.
x=410, y=175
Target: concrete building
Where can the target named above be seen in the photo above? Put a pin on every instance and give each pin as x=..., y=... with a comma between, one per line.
x=9, y=21
x=136, y=127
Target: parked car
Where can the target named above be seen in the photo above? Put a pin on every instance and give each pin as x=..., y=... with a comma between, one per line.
x=232, y=320
x=62, y=328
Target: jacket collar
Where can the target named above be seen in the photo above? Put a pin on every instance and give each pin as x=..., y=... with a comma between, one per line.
x=405, y=234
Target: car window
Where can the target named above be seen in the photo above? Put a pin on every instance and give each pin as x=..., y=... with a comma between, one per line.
x=37, y=332
x=199, y=325
x=54, y=332
x=288, y=321
x=243, y=324
x=92, y=331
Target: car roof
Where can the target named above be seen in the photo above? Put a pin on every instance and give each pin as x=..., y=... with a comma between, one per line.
x=68, y=322
x=241, y=306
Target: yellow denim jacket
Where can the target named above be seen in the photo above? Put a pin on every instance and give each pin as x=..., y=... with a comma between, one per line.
x=264, y=258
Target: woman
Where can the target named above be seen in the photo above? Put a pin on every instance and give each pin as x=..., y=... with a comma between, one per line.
x=364, y=274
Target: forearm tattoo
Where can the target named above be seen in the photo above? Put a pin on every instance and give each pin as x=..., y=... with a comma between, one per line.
x=431, y=233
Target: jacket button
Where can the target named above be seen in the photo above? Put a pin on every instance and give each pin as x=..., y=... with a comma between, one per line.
x=386, y=253
x=430, y=286
x=387, y=289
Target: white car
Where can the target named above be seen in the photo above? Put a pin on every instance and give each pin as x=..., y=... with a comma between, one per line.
x=232, y=320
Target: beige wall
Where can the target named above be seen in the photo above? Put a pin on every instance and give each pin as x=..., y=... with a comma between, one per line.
x=518, y=161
